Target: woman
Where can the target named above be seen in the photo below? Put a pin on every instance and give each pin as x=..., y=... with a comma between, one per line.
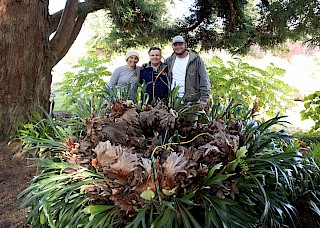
x=127, y=77
x=154, y=74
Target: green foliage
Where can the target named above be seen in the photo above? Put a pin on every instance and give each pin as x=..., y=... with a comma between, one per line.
x=233, y=26
x=250, y=86
x=236, y=26
x=129, y=24
x=310, y=143
x=42, y=135
x=84, y=108
x=312, y=109
x=259, y=136
x=87, y=81
x=277, y=174
x=315, y=152
x=142, y=97
x=57, y=197
x=268, y=174
x=224, y=111
x=112, y=94
x=174, y=100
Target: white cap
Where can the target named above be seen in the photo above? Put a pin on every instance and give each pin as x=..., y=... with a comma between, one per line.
x=178, y=39
x=131, y=53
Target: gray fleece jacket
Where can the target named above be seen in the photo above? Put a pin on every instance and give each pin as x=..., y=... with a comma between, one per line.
x=197, y=83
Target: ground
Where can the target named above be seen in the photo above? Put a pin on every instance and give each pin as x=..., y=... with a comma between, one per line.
x=15, y=176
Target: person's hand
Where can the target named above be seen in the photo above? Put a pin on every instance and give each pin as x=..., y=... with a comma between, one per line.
x=143, y=66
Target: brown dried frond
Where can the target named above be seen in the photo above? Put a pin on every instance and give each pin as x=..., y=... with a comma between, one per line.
x=106, y=153
x=127, y=162
x=174, y=164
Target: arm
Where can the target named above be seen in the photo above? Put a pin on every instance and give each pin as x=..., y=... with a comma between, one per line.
x=134, y=86
x=141, y=73
x=114, y=78
x=204, y=83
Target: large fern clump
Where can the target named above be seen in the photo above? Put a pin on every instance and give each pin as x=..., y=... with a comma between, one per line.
x=159, y=168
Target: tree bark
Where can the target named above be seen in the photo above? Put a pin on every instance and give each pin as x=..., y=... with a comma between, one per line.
x=25, y=77
x=27, y=56
x=64, y=31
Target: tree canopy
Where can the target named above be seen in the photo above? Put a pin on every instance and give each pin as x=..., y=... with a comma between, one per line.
x=234, y=25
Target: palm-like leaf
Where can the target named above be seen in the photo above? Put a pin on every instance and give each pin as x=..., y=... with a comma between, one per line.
x=43, y=135
x=56, y=196
x=260, y=136
x=113, y=94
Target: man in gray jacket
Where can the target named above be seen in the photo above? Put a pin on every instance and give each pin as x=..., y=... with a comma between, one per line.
x=187, y=70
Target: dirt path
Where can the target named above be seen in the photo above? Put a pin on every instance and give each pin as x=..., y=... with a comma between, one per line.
x=15, y=176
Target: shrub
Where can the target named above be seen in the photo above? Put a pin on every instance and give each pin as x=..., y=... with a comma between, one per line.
x=312, y=109
x=250, y=86
x=88, y=81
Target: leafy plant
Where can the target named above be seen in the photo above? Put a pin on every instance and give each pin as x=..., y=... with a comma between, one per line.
x=312, y=109
x=43, y=135
x=309, y=144
x=112, y=94
x=84, y=108
x=88, y=80
x=254, y=88
x=58, y=199
x=232, y=171
x=228, y=111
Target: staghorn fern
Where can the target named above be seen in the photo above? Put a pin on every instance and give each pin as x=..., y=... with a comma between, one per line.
x=232, y=173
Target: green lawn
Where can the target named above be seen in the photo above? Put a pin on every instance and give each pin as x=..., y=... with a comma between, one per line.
x=58, y=103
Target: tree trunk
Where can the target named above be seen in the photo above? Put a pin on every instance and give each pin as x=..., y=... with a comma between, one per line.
x=25, y=69
x=27, y=56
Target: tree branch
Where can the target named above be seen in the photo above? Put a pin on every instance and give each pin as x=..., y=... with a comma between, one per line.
x=73, y=37
x=54, y=21
x=64, y=30
x=233, y=17
x=84, y=8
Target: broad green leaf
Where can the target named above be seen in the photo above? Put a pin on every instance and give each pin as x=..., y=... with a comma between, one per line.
x=96, y=209
x=214, y=168
x=241, y=153
x=169, y=192
x=148, y=194
x=186, y=198
x=42, y=218
x=231, y=166
x=217, y=179
x=140, y=218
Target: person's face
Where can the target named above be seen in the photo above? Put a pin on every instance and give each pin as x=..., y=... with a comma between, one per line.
x=132, y=61
x=155, y=57
x=179, y=48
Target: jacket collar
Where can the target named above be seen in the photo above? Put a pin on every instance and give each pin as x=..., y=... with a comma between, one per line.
x=149, y=67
